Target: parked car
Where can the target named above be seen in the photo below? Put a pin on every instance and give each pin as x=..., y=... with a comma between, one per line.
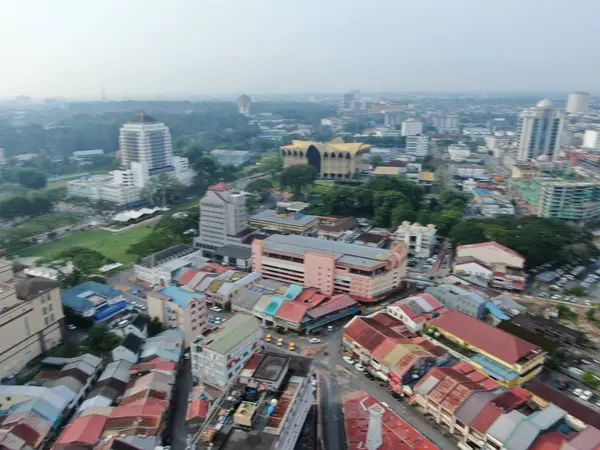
x=586, y=395
x=359, y=367
x=315, y=340
x=577, y=392
x=72, y=327
x=349, y=360
x=216, y=309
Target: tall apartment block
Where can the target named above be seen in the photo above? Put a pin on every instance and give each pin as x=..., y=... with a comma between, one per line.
x=30, y=318
x=540, y=129
x=417, y=145
x=366, y=273
x=560, y=199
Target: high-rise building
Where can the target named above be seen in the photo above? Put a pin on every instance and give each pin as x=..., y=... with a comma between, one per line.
x=223, y=215
x=417, y=145
x=591, y=139
x=347, y=100
x=146, y=151
x=578, y=103
x=540, y=129
x=393, y=119
x=412, y=127
x=243, y=104
x=560, y=199
x=446, y=124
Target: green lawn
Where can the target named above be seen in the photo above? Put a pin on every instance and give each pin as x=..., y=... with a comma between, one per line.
x=113, y=246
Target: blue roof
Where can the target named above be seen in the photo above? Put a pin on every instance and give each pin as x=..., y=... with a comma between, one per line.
x=496, y=370
x=77, y=296
x=181, y=296
x=107, y=311
x=44, y=408
x=497, y=312
x=274, y=305
x=293, y=291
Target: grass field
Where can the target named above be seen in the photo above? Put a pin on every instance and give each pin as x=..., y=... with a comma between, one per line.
x=113, y=246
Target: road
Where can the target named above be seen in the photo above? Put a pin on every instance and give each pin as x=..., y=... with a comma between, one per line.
x=180, y=404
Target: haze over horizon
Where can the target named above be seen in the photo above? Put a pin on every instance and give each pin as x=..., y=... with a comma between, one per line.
x=152, y=48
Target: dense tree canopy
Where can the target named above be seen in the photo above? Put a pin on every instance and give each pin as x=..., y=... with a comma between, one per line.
x=298, y=177
x=538, y=239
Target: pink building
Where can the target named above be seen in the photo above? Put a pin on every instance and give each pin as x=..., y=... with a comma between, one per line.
x=366, y=273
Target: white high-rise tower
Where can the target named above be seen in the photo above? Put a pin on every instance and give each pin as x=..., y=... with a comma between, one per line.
x=374, y=436
x=147, y=141
x=578, y=103
x=540, y=131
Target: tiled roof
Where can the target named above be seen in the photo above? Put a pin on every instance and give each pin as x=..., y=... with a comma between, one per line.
x=86, y=429
x=198, y=409
x=483, y=336
x=189, y=275
x=370, y=332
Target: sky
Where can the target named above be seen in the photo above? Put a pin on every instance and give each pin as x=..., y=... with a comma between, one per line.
x=177, y=48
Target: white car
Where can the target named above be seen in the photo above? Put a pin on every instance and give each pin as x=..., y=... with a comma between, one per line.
x=216, y=309
x=577, y=392
x=351, y=361
x=586, y=395
x=315, y=340
x=359, y=367
x=72, y=327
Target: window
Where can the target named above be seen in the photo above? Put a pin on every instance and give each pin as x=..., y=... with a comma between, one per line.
x=50, y=307
x=51, y=317
x=45, y=321
x=44, y=310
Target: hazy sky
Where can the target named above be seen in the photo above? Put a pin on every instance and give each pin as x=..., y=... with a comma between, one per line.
x=71, y=48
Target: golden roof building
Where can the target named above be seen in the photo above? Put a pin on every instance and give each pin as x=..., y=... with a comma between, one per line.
x=334, y=159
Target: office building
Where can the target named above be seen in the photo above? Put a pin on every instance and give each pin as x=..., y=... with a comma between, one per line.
x=223, y=218
x=179, y=309
x=365, y=273
x=507, y=359
x=146, y=151
x=30, y=318
x=218, y=354
x=540, y=129
x=559, y=199
x=243, y=104
x=296, y=223
x=417, y=145
x=419, y=239
x=578, y=103
x=270, y=400
x=412, y=127
x=334, y=159
x=232, y=157
x=446, y=124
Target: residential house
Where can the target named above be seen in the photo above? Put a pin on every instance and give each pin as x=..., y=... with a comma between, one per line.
x=129, y=349
x=416, y=310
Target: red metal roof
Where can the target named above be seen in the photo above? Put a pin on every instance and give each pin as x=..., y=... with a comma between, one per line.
x=83, y=429
x=254, y=361
x=292, y=311
x=198, y=409
x=485, y=418
x=396, y=433
x=487, y=338
x=336, y=303
x=306, y=294
x=369, y=333
x=549, y=441
x=220, y=187
x=383, y=349
x=188, y=275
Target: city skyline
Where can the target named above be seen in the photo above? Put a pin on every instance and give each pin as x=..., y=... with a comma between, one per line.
x=71, y=50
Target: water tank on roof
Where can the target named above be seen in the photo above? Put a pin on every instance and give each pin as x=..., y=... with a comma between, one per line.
x=273, y=402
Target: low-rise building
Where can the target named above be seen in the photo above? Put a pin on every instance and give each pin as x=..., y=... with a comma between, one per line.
x=494, y=207
x=367, y=418
x=363, y=272
x=416, y=310
x=470, y=171
x=218, y=354
x=295, y=223
x=368, y=239
x=232, y=157
x=166, y=266
x=505, y=358
x=420, y=239
x=272, y=415
x=179, y=308
x=459, y=152
x=457, y=297
x=336, y=229
x=129, y=349
x=549, y=329
x=499, y=265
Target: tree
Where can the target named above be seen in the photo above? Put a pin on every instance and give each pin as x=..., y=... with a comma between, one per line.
x=298, y=177
x=589, y=378
x=155, y=326
x=376, y=160
x=101, y=340
x=262, y=187
x=466, y=232
x=32, y=178
x=162, y=189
